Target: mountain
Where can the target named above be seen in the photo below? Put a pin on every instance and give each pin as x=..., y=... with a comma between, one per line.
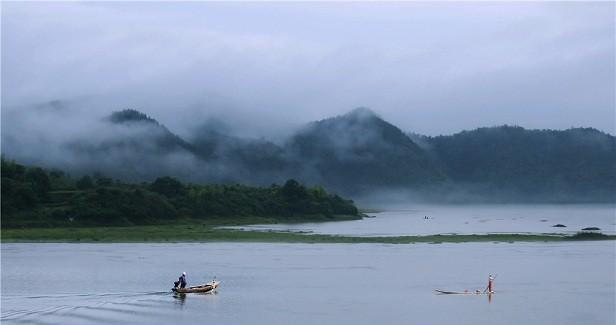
x=253, y=161
x=131, y=145
x=132, y=131
x=158, y=135
x=540, y=163
x=358, y=152
x=128, y=116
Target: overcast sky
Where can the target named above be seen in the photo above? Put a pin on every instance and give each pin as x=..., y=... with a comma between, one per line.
x=432, y=68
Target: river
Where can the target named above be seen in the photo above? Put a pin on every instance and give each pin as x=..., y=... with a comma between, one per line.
x=536, y=283
x=466, y=219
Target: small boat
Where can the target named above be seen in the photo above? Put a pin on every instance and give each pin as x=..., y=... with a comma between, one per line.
x=203, y=288
x=476, y=292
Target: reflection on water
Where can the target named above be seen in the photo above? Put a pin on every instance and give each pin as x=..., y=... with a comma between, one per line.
x=538, y=283
x=180, y=298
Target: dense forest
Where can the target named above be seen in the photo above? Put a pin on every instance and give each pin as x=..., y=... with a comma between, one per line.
x=33, y=196
x=359, y=152
x=577, y=164
x=356, y=154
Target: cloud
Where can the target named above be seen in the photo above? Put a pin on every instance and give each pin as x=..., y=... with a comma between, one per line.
x=432, y=68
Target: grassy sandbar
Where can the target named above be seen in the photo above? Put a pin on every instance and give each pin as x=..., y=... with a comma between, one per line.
x=207, y=232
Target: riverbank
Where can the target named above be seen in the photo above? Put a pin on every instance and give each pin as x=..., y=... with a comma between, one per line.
x=210, y=232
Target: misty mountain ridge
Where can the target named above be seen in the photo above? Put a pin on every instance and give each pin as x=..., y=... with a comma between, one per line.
x=359, y=150
x=161, y=136
x=131, y=116
x=535, y=161
x=355, y=153
x=131, y=146
x=256, y=161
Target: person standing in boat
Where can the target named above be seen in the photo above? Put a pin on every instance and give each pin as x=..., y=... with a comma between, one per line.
x=489, y=288
x=181, y=281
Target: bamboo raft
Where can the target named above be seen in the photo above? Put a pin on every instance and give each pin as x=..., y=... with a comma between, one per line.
x=466, y=292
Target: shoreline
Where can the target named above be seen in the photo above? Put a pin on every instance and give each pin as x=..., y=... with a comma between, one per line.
x=208, y=232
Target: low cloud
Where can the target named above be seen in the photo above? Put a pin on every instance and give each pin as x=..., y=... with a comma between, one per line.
x=433, y=68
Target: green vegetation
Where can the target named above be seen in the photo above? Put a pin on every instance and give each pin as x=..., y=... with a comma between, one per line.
x=359, y=152
x=508, y=163
x=587, y=235
x=208, y=232
x=48, y=205
x=34, y=197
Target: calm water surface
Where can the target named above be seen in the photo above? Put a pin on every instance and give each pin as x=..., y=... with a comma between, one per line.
x=537, y=283
x=467, y=219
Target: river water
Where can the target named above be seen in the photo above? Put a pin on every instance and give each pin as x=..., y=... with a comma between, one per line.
x=536, y=283
x=466, y=219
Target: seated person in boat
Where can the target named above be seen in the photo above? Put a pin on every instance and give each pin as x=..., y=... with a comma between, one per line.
x=181, y=281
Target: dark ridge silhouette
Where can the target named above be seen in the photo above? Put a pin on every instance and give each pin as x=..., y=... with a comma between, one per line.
x=358, y=151
x=130, y=116
x=580, y=161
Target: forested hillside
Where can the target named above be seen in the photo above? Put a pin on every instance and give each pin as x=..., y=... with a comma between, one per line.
x=33, y=196
x=542, y=163
x=356, y=154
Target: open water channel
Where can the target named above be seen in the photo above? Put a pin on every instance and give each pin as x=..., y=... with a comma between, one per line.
x=117, y=283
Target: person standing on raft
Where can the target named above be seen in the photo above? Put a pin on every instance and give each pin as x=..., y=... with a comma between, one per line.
x=489, y=287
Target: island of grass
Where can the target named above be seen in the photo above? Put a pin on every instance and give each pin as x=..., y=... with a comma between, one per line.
x=212, y=232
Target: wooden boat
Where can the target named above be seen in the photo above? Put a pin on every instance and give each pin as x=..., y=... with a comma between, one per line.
x=203, y=288
x=476, y=292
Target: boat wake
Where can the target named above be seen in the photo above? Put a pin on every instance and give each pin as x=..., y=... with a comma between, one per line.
x=99, y=308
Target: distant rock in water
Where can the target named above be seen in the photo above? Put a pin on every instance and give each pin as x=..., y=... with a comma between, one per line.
x=591, y=228
x=559, y=226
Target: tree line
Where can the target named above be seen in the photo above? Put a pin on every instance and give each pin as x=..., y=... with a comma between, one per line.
x=33, y=196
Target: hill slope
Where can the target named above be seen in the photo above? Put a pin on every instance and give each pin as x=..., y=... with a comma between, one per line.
x=131, y=145
x=35, y=197
x=543, y=163
x=360, y=151
x=357, y=153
